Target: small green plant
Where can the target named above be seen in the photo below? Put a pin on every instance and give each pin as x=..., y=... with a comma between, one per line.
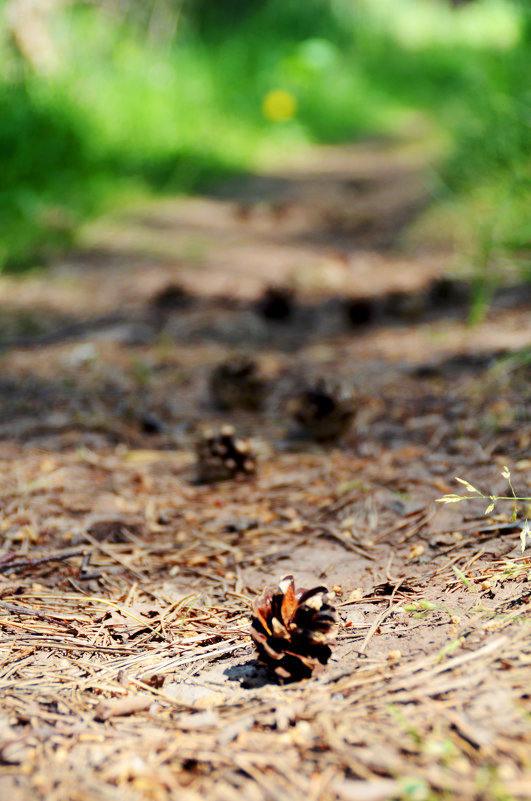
x=421, y=608
x=463, y=579
x=475, y=494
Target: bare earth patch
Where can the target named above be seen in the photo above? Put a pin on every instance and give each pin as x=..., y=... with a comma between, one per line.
x=126, y=668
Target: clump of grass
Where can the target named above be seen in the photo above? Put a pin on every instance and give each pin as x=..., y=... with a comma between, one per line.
x=475, y=494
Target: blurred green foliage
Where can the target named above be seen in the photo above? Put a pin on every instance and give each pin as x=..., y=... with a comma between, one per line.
x=164, y=96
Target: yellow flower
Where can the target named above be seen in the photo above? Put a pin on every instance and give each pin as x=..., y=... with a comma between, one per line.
x=279, y=105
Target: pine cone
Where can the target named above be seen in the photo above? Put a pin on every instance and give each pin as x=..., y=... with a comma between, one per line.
x=447, y=293
x=360, y=311
x=324, y=412
x=224, y=455
x=235, y=384
x=276, y=303
x=294, y=630
x=171, y=297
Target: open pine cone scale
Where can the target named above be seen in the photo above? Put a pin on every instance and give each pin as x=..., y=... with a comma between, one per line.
x=294, y=630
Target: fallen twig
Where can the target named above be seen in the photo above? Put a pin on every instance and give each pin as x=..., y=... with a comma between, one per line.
x=14, y=566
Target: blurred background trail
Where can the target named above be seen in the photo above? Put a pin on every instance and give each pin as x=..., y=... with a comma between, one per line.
x=313, y=266
x=164, y=163
x=108, y=104
x=322, y=224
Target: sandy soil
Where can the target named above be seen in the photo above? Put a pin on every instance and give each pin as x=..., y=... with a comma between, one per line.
x=126, y=587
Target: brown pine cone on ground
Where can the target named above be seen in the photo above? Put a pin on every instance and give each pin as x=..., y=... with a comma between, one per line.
x=323, y=412
x=223, y=455
x=235, y=384
x=294, y=630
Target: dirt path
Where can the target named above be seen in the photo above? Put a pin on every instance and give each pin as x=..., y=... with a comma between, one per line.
x=125, y=587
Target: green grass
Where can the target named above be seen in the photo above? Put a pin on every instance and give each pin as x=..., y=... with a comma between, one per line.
x=136, y=108
x=470, y=72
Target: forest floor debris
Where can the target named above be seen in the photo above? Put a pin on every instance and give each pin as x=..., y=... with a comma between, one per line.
x=126, y=587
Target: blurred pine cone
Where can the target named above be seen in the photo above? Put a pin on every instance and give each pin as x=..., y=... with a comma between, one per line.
x=294, y=630
x=170, y=298
x=223, y=455
x=360, y=311
x=447, y=294
x=235, y=384
x=276, y=303
x=324, y=412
